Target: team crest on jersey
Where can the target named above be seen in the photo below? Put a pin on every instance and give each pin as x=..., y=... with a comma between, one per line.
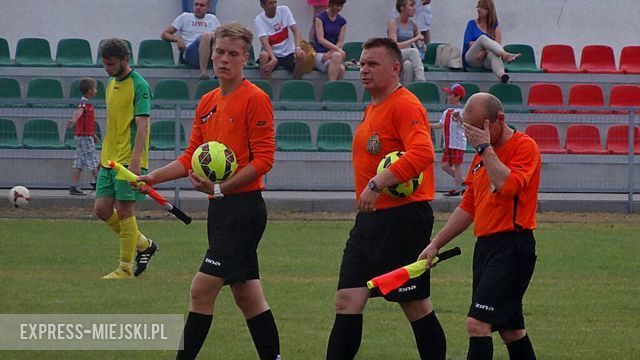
x=373, y=144
x=205, y=117
x=477, y=167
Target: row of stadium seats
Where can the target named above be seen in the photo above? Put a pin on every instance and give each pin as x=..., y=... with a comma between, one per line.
x=582, y=95
x=584, y=139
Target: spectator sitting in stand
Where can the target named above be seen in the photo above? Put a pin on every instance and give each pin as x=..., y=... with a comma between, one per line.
x=330, y=30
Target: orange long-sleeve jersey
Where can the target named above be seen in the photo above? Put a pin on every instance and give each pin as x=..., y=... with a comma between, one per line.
x=514, y=206
x=243, y=121
x=398, y=123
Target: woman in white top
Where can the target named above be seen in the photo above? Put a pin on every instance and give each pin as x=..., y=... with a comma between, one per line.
x=404, y=31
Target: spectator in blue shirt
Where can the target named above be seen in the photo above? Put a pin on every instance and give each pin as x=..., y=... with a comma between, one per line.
x=328, y=39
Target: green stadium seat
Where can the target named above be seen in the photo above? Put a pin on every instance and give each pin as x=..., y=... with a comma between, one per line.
x=171, y=90
x=509, y=94
x=34, y=52
x=45, y=89
x=69, y=134
x=204, y=86
x=366, y=97
x=251, y=64
x=294, y=136
x=163, y=134
x=74, y=53
x=5, y=54
x=155, y=53
x=265, y=86
x=470, y=89
x=427, y=93
x=298, y=91
x=429, y=60
x=8, y=135
x=526, y=63
x=41, y=134
x=99, y=57
x=334, y=136
x=75, y=94
x=437, y=144
x=336, y=94
x=352, y=50
x=10, y=91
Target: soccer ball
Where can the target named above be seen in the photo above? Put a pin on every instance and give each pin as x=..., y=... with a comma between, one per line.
x=214, y=161
x=19, y=196
x=402, y=189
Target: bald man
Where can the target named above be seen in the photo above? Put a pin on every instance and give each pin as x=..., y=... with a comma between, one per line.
x=501, y=199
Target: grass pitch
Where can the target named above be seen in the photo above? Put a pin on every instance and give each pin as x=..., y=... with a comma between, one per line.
x=582, y=302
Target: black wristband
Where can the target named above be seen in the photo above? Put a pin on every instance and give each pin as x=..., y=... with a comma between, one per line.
x=481, y=148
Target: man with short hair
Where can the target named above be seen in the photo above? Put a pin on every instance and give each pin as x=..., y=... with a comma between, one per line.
x=196, y=36
x=501, y=200
x=389, y=232
x=128, y=100
x=279, y=48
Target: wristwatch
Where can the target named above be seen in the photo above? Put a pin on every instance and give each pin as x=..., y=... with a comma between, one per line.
x=217, y=193
x=481, y=148
x=372, y=186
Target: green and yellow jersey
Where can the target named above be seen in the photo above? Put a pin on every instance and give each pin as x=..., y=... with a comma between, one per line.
x=125, y=99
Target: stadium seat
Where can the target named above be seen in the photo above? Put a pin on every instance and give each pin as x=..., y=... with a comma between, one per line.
x=34, y=52
x=265, y=86
x=297, y=91
x=9, y=89
x=624, y=96
x=546, y=135
x=163, y=135
x=352, y=50
x=334, y=136
x=598, y=59
x=74, y=53
x=526, y=63
x=204, y=86
x=5, y=54
x=251, y=64
x=155, y=53
x=45, y=89
x=587, y=95
x=170, y=89
x=584, y=139
x=75, y=94
x=618, y=140
x=427, y=93
x=8, y=135
x=630, y=60
x=41, y=134
x=470, y=89
x=510, y=95
x=546, y=95
x=366, y=97
x=294, y=136
x=338, y=92
x=429, y=60
x=99, y=57
x=558, y=58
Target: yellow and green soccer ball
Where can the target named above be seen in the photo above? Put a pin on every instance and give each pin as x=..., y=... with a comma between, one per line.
x=402, y=189
x=214, y=161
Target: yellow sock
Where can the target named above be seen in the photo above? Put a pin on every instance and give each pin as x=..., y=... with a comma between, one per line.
x=143, y=243
x=123, y=272
x=114, y=222
x=128, y=239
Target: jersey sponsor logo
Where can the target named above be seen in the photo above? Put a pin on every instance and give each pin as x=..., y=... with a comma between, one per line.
x=407, y=289
x=205, y=117
x=212, y=262
x=483, y=307
x=261, y=123
x=477, y=167
x=197, y=23
x=373, y=144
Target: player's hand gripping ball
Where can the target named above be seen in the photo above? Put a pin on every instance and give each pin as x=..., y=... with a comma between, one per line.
x=19, y=196
x=402, y=189
x=214, y=161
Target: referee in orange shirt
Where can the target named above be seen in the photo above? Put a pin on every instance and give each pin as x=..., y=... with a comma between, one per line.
x=501, y=199
x=389, y=232
x=239, y=115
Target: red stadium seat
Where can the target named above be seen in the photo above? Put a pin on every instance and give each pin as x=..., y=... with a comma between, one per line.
x=546, y=95
x=630, y=60
x=624, y=95
x=584, y=139
x=618, y=140
x=546, y=135
x=598, y=59
x=587, y=95
x=558, y=58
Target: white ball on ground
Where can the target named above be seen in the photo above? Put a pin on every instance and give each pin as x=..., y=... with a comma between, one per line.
x=19, y=196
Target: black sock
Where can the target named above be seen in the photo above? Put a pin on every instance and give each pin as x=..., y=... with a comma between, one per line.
x=195, y=332
x=346, y=334
x=521, y=349
x=432, y=344
x=265, y=335
x=480, y=348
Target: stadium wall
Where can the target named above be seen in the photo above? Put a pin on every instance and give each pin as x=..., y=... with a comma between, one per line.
x=573, y=22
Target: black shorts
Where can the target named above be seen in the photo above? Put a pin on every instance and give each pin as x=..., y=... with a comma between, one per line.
x=386, y=240
x=235, y=225
x=287, y=62
x=503, y=264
